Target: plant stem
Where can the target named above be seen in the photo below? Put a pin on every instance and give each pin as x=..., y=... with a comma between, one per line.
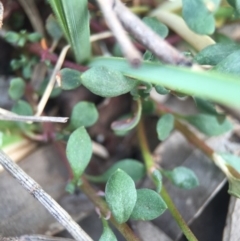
x=177, y=216
x=150, y=166
x=124, y=229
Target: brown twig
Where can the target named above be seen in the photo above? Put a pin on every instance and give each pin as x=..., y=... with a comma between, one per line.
x=147, y=36
x=128, y=49
x=50, y=204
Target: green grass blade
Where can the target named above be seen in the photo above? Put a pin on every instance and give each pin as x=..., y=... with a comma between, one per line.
x=74, y=20
x=221, y=88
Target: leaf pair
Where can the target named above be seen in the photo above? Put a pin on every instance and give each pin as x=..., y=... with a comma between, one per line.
x=126, y=202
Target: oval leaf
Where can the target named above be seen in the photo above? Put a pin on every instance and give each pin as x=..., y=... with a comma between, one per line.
x=69, y=79
x=230, y=65
x=53, y=28
x=79, y=152
x=164, y=126
x=182, y=177
x=106, y=82
x=84, y=114
x=198, y=17
x=121, y=195
x=133, y=168
x=161, y=90
x=213, y=54
x=156, y=26
x=209, y=124
x=22, y=108
x=17, y=88
x=149, y=205
x=107, y=234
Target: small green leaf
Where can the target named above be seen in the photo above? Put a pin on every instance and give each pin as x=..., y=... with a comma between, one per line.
x=230, y=65
x=70, y=79
x=107, y=234
x=198, y=17
x=161, y=90
x=129, y=123
x=84, y=113
x=158, y=27
x=17, y=88
x=209, y=124
x=22, y=108
x=207, y=107
x=12, y=37
x=53, y=28
x=182, y=177
x=164, y=126
x=214, y=54
x=157, y=179
x=133, y=168
x=121, y=195
x=149, y=205
x=79, y=152
x=148, y=107
x=106, y=82
x=149, y=56
x=34, y=37
x=235, y=4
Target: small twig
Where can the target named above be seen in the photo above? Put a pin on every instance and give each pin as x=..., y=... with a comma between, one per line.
x=100, y=36
x=128, y=49
x=49, y=203
x=35, y=238
x=51, y=82
x=147, y=37
x=34, y=118
x=10, y=116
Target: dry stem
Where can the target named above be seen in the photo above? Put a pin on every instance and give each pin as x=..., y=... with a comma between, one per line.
x=50, y=204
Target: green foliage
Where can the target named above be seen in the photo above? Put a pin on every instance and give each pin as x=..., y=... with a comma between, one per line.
x=209, y=124
x=22, y=37
x=17, y=88
x=149, y=205
x=190, y=82
x=156, y=26
x=182, y=177
x=22, y=108
x=79, y=152
x=70, y=79
x=133, y=168
x=230, y=65
x=53, y=28
x=235, y=4
x=214, y=54
x=74, y=20
x=164, y=126
x=161, y=90
x=231, y=160
x=207, y=107
x=128, y=124
x=107, y=234
x=148, y=107
x=84, y=113
x=107, y=82
x=121, y=195
x=199, y=16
